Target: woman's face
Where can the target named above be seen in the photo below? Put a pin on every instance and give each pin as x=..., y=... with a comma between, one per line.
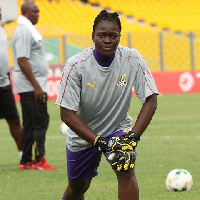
x=106, y=37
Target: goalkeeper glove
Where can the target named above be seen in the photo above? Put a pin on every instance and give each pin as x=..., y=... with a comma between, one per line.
x=123, y=160
x=101, y=143
x=131, y=138
x=114, y=144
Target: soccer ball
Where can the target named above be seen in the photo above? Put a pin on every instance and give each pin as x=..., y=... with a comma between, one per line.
x=179, y=180
x=63, y=128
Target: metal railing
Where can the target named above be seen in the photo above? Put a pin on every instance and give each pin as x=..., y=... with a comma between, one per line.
x=162, y=51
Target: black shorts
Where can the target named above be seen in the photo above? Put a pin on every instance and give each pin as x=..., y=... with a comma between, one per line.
x=8, y=109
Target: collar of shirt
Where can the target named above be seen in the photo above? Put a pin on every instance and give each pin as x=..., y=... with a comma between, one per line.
x=104, y=61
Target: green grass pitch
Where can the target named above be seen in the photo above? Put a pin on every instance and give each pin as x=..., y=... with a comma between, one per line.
x=171, y=141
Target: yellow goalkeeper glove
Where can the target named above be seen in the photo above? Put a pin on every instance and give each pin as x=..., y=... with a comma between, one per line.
x=114, y=144
x=123, y=160
x=131, y=138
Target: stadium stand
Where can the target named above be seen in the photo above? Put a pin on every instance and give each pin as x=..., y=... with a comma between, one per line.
x=75, y=17
x=176, y=15
x=142, y=23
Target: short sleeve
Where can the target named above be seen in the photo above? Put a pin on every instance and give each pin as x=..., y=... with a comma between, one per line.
x=23, y=43
x=144, y=84
x=68, y=95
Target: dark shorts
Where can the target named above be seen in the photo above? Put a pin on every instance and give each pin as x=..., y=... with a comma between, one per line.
x=82, y=165
x=8, y=109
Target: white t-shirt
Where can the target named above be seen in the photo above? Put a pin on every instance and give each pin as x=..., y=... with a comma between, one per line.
x=25, y=46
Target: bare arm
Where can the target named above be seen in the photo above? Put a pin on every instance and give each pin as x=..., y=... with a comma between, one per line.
x=77, y=125
x=26, y=69
x=81, y=129
x=146, y=113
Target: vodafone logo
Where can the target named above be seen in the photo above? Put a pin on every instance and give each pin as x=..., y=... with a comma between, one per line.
x=186, y=81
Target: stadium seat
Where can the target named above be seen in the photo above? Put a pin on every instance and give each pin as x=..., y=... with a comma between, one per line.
x=144, y=19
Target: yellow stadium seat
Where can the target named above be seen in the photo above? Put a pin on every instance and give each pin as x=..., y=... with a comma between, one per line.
x=137, y=16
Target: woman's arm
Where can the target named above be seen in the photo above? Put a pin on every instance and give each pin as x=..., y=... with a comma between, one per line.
x=76, y=124
x=146, y=113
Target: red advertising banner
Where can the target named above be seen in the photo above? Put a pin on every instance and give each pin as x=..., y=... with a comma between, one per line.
x=177, y=82
x=167, y=82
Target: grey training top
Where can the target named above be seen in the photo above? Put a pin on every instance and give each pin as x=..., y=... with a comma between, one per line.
x=4, y=80
x=25, y=46
x=101, y=96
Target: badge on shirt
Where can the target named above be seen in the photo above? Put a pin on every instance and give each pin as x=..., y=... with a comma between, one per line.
x=122, y=81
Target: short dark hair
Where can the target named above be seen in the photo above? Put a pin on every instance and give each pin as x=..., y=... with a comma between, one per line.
x=105, y=15
x=26, y=6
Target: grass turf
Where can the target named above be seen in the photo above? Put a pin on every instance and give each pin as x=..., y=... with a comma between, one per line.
x=171, y=141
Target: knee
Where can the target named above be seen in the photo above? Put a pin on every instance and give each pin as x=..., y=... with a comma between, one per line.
x=126, y=175
x=78, y=189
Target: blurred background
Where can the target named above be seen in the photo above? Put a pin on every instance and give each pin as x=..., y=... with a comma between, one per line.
x=166, y=32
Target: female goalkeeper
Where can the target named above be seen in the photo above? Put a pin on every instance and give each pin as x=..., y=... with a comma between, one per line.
x=94, y=99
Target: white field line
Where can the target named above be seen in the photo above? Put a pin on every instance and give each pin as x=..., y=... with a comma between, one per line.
x=175, y=125
x=169, y=137
x=63, y=137
x=164, y=137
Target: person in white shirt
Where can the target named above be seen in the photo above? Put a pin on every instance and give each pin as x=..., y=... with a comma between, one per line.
x=30, y=82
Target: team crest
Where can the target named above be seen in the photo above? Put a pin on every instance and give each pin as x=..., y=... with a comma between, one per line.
x=122, y=81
